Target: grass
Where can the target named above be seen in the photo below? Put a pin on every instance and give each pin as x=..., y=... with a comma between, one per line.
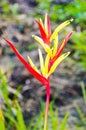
x=82, y=123
x=12, y=113
x=12, y=110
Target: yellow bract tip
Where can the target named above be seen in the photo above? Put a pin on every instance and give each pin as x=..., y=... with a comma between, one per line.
x=41, y=22
x=41, y=62
x=33, y=36
x=1, y=115
x=71, y=20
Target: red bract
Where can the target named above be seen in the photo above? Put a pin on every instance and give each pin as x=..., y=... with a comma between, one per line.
x=42, y=79
x=45, y=31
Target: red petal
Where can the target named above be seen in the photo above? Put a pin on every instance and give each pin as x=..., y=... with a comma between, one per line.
x=68, y=36
x=42, y=79
x=49, y=27
x=61, y=47
x=42, y=32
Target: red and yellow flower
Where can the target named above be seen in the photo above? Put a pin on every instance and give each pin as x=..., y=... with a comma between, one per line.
x=53, y=56
x=50, y=44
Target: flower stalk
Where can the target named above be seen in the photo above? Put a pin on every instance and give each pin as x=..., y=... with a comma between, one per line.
x=53, y=56
x=47, y=104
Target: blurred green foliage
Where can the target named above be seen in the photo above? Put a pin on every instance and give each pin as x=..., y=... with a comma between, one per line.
x=14, y=116
x=79, y=45
x=11, y=110
x=9, y=10
x=61, y=12
x=81, y=125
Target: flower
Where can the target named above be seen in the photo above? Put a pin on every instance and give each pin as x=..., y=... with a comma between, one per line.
x=52, y=59
x=53, y=51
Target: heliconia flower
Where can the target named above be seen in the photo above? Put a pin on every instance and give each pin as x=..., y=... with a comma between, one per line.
x=53, y=55
x=48, y=66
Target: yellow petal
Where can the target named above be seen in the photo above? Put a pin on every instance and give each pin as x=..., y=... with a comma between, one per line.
x=46, y=24
x=41, y=62
x=57, y=62
x=41, y=22
x=47, y=49
x=39, y=40
x=61, y=26
x=1, y=116
x=55, y=46
x=32, y=64
x=47, y=63
x=45, y=46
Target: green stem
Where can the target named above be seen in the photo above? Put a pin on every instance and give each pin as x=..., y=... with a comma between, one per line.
x=47, y=105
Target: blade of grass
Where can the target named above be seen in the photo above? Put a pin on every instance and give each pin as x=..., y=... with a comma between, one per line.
x=53, y=117
x=83, y=92
x=82, y=117
x=4, y=87
x=21, y=124
x=64, y=122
